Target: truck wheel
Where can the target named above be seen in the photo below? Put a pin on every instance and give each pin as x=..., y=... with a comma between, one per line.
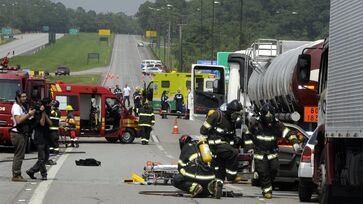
x=111, y=139
x=128, y=136
x=305, y=191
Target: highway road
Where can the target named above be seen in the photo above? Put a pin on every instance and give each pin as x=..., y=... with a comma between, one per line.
x=25, y=43
x=68, y=183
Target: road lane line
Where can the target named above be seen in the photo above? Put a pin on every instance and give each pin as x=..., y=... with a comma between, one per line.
x=155, y=138
x=43, y=187
x=161, y=148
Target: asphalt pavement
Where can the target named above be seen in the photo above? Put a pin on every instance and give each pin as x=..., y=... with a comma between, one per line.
x=25, y=44
x=68, y=183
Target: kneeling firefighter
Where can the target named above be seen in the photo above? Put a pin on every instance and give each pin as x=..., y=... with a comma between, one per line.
x=262, y=136
x=196, y=175
x=220, y=128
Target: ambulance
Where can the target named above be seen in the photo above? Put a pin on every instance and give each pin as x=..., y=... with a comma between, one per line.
x=111, y=120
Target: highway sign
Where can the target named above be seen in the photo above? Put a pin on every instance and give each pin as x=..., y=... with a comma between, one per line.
x=104, y=32
x=222, y=59
x=73, y=31
x=151, y=34
x=6, y=31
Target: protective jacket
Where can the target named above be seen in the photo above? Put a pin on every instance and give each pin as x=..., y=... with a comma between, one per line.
x=146, y=117
x=264, y=139
x=191, y=165
x=55, y=118
x=219, y=129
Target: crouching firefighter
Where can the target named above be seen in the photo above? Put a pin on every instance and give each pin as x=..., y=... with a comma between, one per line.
x=146, y=121
x=261, y=138
x=196, y=175
x=220, y=130
x=71, y=126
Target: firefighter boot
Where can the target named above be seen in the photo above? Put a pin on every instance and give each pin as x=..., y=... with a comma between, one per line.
x=195, y=190
x=267, y=195
x=77, y=145
x=215, y=188
x=72, y=143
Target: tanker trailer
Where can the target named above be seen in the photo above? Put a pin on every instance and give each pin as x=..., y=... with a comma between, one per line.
x=278, y=84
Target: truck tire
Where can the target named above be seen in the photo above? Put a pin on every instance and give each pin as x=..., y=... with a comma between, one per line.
x=111, y=139
x=128, y=136
x=305, y=190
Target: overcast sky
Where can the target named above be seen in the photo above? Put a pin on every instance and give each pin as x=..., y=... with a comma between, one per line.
x=129, y=7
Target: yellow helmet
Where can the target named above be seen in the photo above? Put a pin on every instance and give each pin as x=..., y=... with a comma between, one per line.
x=69, y=108
x=210, y=112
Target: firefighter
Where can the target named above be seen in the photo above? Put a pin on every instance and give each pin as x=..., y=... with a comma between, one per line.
x=71, y=126
x=196, y=176
x=55, y=115
x=261, y=138
x=219, y=127
x=146, y=121
x=179, y=102
x=118, y=92
x=164, y=104
x=137, y=100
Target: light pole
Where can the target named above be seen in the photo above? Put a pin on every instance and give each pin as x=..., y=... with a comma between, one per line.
x=240, y=25
x=201, y=30
x=212, y=33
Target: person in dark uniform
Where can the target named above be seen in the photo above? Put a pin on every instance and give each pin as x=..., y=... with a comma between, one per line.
x=195, y=175
x=41, y=139
x=179, y=102
x=164, y=104
x=261, y=136
x=55, y=115
x=137, y=100
x=146, y=121
x=219, y=127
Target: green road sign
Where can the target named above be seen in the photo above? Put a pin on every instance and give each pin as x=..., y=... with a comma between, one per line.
x=45, y=28
x=6, y=31
x=222, y=59
x=73, y=31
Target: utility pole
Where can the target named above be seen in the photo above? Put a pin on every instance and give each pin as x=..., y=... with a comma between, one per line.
x=169, y=45
x=212, y=33
x=181, y=47
x=201, y=30
x=240, y=25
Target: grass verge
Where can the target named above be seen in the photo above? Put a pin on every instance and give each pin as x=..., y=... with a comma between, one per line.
x=81, y=79
x=70, y=51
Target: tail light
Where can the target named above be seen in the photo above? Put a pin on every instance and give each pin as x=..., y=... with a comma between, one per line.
x=283, y=141
x=306, y=155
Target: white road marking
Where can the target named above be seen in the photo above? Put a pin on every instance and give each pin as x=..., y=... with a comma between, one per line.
x=138, y=52
x=43, y=187
x=161, y=148
x=22, y=200
x=170, y=156
x=155, y=138
x=235, y=187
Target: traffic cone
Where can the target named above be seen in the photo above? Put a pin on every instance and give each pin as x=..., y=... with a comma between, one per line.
x=175, y=127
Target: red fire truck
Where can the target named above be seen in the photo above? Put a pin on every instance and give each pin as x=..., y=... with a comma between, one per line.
x=12, y=80
x=109, y=119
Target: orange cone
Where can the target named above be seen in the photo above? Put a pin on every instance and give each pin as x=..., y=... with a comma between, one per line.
x=175, y=127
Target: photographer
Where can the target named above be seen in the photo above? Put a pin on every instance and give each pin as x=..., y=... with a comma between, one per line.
x=19, y=133
x=41, y=138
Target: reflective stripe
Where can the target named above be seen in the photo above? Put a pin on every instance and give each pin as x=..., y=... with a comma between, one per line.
x=220, y=130
x=143, y=139
x=231, y=142
x=193, y=156
x=266, y=138
x=247, y=131
x=271, y=156
x=153, y=121
x=198, y=177
x=147, y=125
x=191, y=189
x=248, y=142
x=181, y=163
x=207, y=125
x=214, y=142
x=268, y=189
x=284, y=133
x=216, y=168
x=146, y=114
x=292, y=137
x=53, y=128
x=54, y=118
x=258, y=156
x=231, y=172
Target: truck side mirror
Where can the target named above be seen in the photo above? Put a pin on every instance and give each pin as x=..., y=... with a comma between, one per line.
x=303, y=68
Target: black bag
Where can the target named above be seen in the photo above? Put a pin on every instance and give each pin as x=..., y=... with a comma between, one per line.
x=88, y=162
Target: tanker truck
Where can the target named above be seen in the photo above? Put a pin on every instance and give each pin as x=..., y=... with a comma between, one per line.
x=338, y=153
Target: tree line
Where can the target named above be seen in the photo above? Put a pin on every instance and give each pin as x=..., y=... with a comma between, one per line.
x=230, y=25
x=32, y=15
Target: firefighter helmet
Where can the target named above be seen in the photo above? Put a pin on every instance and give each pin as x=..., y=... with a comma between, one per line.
x=55, y=103
x=234, y=106
x=267, y=113
x=210, y=112
x=69, y=108
x=184, y=139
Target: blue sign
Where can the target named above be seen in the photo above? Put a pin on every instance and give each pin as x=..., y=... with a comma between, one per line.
x=207, y=62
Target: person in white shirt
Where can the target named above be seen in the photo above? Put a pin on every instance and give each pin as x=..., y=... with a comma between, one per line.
x=19, y=133
x=190, y=100
x=126, y=94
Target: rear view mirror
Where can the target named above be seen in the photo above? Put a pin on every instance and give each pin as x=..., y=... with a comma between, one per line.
x=303, y=68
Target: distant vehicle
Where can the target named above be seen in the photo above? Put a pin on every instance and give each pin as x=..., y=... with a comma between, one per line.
x=153, y=69
x=62, y=71
x=150, y=61
x=306, y=169
x=140, y=44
